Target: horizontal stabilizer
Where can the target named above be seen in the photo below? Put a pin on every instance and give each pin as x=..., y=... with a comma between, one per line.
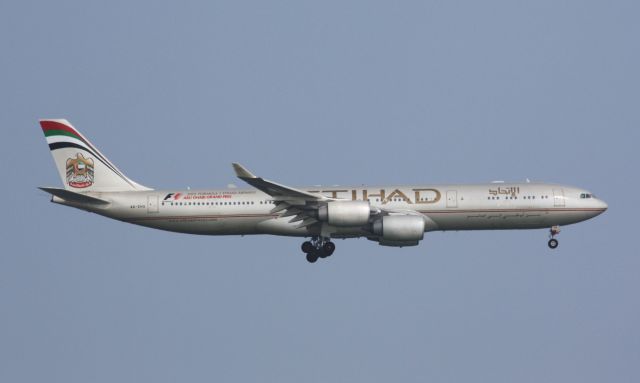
x=70, y=196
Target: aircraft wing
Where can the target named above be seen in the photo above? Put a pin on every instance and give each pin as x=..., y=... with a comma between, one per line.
x=276, y=190
x=302, y=206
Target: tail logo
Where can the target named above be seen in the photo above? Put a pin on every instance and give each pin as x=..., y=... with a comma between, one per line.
x=80, y=172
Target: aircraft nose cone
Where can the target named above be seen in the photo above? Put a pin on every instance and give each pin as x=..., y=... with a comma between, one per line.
x=603, y=205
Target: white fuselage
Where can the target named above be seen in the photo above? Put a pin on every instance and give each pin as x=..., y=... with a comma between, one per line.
x=390, y=215
x=445, y=207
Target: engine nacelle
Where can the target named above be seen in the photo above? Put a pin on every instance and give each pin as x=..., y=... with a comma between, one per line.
x=347, y=213
x=399, y=230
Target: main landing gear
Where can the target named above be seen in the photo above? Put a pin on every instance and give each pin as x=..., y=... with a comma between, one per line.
x=318, y=247
x=553, y=243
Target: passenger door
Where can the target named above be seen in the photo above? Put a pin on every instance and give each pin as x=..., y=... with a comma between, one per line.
x=452, y=198
x=152, y=203
x=558, y=197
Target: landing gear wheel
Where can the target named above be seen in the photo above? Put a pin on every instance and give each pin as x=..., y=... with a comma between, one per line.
x=553, y=243
x=328, y=248
x=312, y=257
x=318, y=247
x=307, y=247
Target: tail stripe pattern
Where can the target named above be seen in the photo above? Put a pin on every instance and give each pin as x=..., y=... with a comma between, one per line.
x=62, y=136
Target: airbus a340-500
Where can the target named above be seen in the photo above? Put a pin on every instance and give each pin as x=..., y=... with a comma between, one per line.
x=389, y=215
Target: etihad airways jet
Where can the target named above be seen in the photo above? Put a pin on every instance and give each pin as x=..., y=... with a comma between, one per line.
x=391, y=215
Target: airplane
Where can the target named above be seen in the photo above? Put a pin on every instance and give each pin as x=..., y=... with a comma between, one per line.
x=396, y=215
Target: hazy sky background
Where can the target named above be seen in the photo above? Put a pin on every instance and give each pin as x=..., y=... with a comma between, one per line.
x=325, y=92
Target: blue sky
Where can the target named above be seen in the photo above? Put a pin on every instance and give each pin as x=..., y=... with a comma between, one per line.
x=363, y=92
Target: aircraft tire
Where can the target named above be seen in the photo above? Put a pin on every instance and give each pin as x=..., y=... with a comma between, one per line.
x=553, y=243
x=328, y=248
x=312, y=257
x=307, y=247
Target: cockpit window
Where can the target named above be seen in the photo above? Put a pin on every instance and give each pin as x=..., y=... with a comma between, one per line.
x=586, y=195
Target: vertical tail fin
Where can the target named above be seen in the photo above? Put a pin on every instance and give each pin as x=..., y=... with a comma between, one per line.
x=81, y=166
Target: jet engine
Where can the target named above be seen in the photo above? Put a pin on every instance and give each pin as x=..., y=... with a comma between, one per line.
x=399, y=230
x=345, y=213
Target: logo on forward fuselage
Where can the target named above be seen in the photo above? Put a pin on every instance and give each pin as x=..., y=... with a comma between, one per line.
x=174, y=196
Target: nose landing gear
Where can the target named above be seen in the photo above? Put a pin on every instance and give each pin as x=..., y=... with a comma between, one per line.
x=553, y=243
x=318, y=247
